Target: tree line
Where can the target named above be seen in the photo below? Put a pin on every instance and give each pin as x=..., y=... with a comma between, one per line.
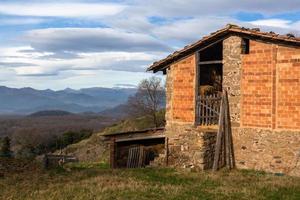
x=30, y=146
x=30, y=142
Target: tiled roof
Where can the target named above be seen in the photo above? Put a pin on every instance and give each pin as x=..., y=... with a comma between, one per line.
x=229, y=29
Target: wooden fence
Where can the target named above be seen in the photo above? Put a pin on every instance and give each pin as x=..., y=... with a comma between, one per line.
x=51, y=160
x=138, y=157
x=208, y=109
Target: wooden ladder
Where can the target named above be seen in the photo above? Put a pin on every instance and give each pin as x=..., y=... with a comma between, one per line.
x=224, y=154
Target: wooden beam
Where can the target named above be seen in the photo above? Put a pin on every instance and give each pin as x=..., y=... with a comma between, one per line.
x=167, y=151
x=113, y=153
x=164, y=71
x=140, y=138
x=211, y=44
x=211, y=62
x=218, y=148
x=197, y=83
x=227, y=127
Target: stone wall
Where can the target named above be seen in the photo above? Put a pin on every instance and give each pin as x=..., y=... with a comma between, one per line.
x=189, y=146
x=267, y=150
x=232, y=75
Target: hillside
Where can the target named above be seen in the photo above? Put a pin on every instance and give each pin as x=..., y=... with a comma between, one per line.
x=95, y=149
x=48, y=113
x=76, y=101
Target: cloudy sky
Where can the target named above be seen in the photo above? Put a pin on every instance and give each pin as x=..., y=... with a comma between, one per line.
x=78, y=44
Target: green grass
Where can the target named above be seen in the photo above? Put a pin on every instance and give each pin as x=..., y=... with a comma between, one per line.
x=96, y=181
x=135, y=124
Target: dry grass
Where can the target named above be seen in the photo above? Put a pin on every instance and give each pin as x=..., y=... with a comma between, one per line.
x=90, y=181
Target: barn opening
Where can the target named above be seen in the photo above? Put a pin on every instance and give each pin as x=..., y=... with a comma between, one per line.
x=136, y=153
x=135, y=149
x=210, y=69
x=210, y=73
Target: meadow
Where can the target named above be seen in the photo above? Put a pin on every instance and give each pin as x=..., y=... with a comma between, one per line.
x=84, y=181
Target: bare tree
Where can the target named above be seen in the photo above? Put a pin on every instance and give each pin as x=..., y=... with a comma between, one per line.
x=148, y=99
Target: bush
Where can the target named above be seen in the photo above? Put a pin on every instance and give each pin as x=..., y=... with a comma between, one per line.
x=5, y=148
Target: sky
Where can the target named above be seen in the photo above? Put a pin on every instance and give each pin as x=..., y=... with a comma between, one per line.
x=92, y=43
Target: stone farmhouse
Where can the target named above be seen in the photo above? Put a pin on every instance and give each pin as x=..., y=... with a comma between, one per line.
x=261, y=73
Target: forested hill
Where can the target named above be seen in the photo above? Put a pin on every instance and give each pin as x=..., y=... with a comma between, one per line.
x=29, y=100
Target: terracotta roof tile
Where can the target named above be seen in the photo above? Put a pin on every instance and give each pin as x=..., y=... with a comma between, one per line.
x=230, y=28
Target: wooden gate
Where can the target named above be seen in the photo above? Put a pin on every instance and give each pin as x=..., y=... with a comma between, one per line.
x=136, y=157
x=208, y=109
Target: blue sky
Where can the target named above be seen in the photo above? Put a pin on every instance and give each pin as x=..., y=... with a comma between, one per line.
x=77, y=44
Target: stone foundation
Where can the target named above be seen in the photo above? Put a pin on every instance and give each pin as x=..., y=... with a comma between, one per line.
x=272, y=151
x=190, y=147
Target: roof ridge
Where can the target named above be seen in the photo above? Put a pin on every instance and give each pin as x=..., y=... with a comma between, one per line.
x=288, y=38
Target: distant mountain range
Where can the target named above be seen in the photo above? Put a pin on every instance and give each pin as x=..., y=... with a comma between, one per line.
x=29, y=100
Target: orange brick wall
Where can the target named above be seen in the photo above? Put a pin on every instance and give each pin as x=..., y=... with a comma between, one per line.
x=256, y=86
x=183, y=94
x=270, y=92
x=288, y=89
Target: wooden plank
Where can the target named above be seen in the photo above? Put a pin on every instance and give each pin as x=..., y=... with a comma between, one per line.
x=113, y=153
x=232, y=150
x=202, y=111
x=136, y=157
x=227, y=147
x=141, y=156
x=210, y=62
x=197, y=72
x=206, y=111
x=231, y=158
x=128, y=158
x=167, y=151
x=141, y=138
x=219, y=139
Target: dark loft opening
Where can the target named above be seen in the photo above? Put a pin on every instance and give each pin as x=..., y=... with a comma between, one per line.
x=211, y=78
x=245, y=46
x=210, y=69
x=214, y=52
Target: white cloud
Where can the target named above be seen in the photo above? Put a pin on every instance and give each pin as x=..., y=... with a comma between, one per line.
x=280, y=23
x=61, y=9
x=213, y=7
x=20, y=21
x=92, y=40
x=26, y=62
x=86, y=57
x=189, y=30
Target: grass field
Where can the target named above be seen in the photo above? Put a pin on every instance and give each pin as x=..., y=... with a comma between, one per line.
x=97, y=181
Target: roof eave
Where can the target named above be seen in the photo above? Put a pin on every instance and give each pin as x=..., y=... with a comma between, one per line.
x=231, y=29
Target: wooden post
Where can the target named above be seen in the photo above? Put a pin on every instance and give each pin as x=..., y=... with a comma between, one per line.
x=227, y=124
x=141, y=156
x=113, y=153
x=46, y=161
x=230, y=142
x=224, y=153
x=218, y=148
x=167, y=151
